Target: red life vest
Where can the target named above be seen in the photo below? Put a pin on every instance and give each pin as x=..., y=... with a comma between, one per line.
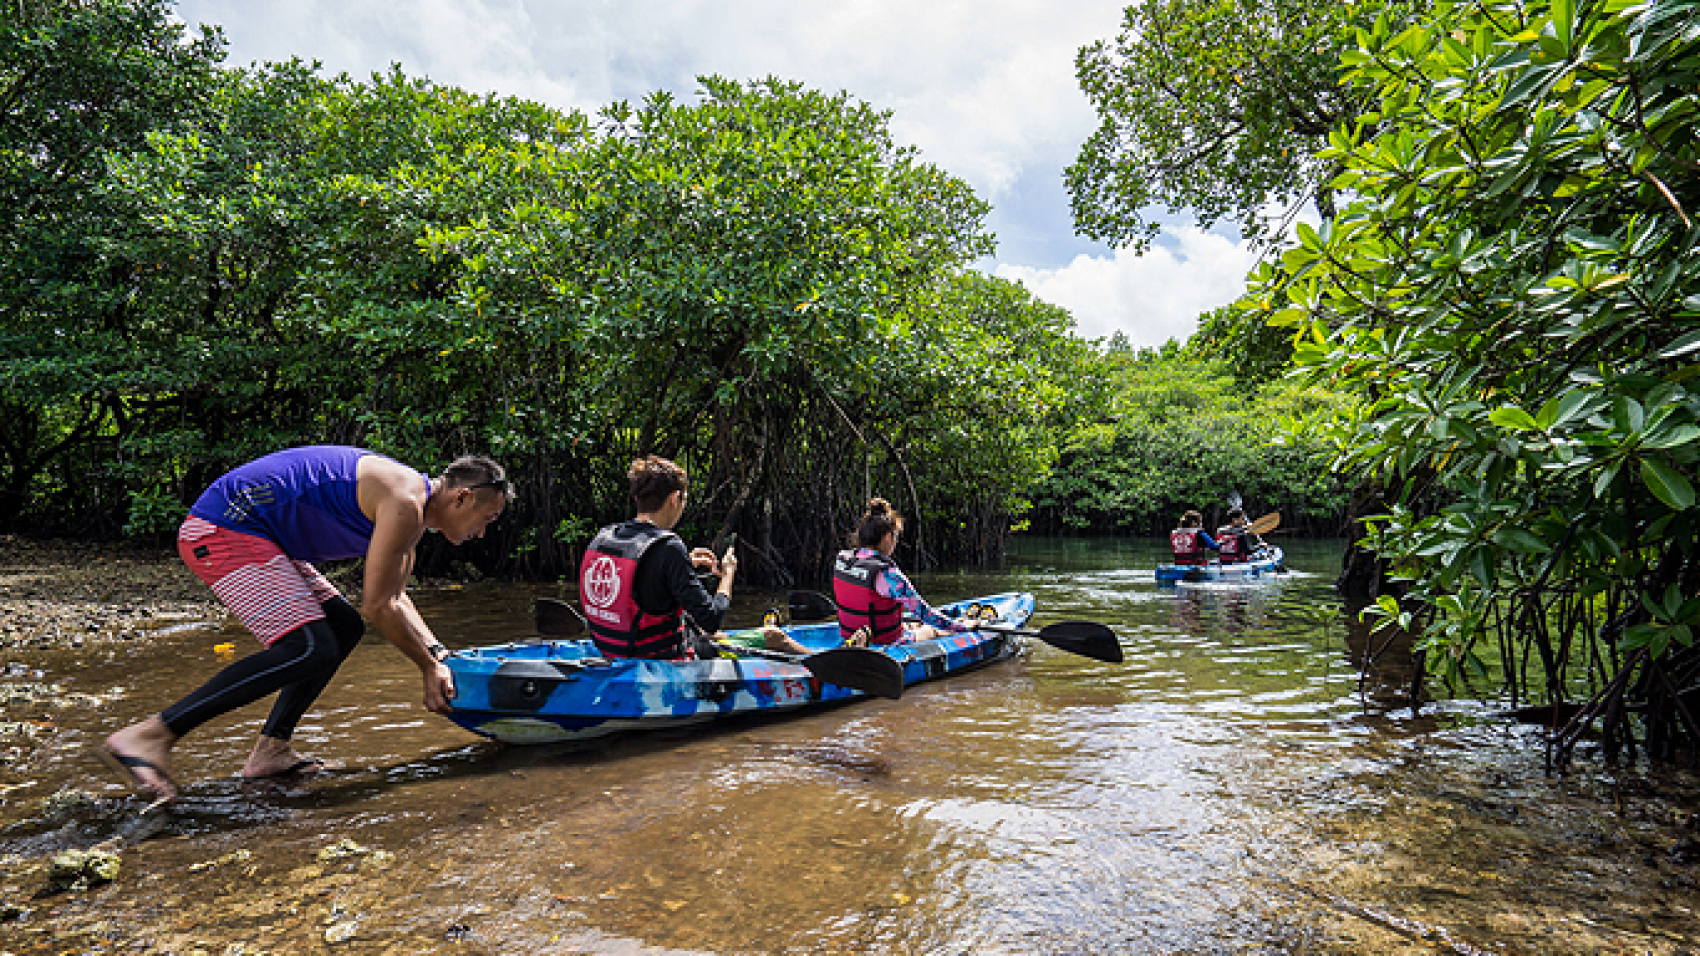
x=606, y=580
x=1230, y=546
x=853, y=586
x=1188, y=549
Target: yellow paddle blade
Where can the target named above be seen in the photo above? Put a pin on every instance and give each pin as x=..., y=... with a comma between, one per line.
x=1265, y=524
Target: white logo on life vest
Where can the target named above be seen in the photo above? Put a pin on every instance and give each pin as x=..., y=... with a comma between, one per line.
x=601, y=582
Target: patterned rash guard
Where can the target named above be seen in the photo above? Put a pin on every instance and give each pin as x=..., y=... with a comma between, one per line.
x=893, y=583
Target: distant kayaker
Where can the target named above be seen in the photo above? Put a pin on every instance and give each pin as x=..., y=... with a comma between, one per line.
x=873, y=593
x=1235, y=541
x=1190, y=542
x=252, y=536
x=639, y=584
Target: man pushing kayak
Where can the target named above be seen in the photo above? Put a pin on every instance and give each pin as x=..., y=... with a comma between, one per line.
x=253, y=536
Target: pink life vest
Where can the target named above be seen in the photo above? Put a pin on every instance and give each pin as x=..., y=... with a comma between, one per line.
x=854, y=580
x=605, y=585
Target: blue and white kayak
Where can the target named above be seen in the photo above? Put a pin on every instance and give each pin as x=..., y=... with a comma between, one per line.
x=550, y=691
x=1264, y=562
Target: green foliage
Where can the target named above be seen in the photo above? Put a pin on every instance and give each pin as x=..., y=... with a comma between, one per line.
x=1243, y=340
x=761, y=284
x=1176, y=433
x=154, y=514
x=985, y=383
x=78, y=83
x=1218, y=108
x=1515, y=290
x=734, y=284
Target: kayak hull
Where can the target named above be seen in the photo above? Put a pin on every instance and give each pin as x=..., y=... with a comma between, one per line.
x=553, y=691
x=1266, y=563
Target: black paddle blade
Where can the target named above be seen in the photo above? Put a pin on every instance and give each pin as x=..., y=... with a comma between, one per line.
x=557, y=618
x=1086, y=638
x=858, y=668
x=811, y=606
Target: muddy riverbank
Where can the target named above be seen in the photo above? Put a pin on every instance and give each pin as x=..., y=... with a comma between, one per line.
x=56, y=594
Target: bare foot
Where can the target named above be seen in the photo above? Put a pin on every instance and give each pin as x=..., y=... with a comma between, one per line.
x=277, y=758
x=778, y=640
x=142, y=753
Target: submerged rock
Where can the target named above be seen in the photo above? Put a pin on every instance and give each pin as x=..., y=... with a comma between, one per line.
x=239, y=856
x=81, y=869
x=341, y=850
x=67, y=802
x=378, y=860
x=341, y=932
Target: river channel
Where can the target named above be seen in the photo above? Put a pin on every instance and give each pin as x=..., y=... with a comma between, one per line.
x=1239, y=785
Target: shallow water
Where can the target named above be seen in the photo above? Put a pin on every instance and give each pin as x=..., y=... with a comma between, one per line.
x=1229, y=789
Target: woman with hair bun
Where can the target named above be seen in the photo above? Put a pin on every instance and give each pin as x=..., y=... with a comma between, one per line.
x=873, y=593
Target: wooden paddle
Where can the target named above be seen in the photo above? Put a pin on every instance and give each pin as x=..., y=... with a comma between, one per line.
x=1086, y=638
x=1265, y=524
x=857, y=668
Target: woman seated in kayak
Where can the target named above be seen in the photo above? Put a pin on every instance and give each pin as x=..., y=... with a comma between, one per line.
x=1190, y=542
x=1235, y=541
x=873, y=594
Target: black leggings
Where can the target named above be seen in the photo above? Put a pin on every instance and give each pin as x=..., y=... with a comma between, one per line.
x=297, y=665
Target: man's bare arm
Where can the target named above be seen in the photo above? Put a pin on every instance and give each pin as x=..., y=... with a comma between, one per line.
x=397, y=528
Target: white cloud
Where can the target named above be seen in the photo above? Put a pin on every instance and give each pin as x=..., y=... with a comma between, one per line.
x=1151, y=298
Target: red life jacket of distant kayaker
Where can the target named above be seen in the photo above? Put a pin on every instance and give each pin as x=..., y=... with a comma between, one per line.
x=606, y=580
x=854, y=577
x=1187, y=546
x=1230, y=547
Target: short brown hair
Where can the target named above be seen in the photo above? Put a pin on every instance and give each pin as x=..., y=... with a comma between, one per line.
x=1192, y=519
x=653, y=478
x=478, y=473
x=878, y=521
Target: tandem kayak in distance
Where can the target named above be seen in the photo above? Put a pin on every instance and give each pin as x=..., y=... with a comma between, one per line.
x=550, y=691
x=1265, y=561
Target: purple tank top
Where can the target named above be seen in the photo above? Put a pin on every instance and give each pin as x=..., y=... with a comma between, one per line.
x=304, y=499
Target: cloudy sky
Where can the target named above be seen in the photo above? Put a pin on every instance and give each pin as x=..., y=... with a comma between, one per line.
x=985, y=89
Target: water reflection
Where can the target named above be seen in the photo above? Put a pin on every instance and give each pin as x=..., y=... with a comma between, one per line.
x=1230, y=789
